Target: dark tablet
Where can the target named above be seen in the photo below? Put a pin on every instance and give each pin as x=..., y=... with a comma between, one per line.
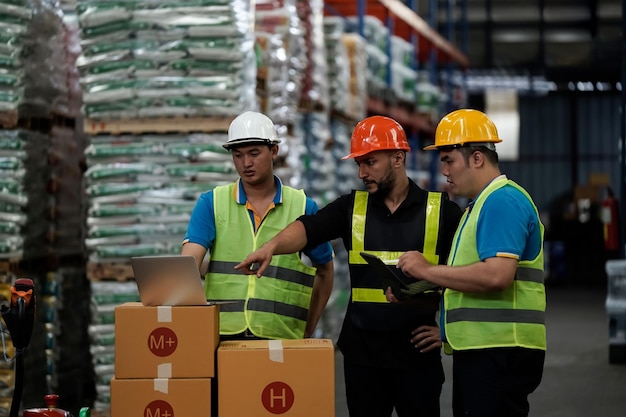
x=389, y=278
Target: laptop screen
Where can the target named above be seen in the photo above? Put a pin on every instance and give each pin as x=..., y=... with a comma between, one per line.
x=168, y=280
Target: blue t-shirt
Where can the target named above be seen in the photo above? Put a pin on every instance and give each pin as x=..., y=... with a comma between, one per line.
x=201, y=228
x=508, y=226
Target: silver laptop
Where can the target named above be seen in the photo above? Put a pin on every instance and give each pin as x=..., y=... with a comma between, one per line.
x=170, y=280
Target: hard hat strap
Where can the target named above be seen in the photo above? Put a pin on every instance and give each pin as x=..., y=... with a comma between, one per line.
x=490, y=146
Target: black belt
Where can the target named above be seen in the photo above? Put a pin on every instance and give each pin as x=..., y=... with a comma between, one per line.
x=246, y=334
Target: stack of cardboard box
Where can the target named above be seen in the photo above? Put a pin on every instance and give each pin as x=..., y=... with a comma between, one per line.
x=164, y=360
x=167, y=358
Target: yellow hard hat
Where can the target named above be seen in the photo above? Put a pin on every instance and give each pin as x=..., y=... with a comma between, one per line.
x=464, y=126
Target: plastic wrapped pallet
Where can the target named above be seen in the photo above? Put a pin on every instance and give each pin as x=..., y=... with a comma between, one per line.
x=357, y=92
x=338, y=64
x=24, y=207
x=402, y=52
x=403, y=82
x=283, y=58
x=374, y=31
x=315, y=81
x=377, y=71
x=71, y=106
x=376, y=36
x=104, y=297
x=32, y=43
x=141, y=190
x=319, y=164
x=149, y=58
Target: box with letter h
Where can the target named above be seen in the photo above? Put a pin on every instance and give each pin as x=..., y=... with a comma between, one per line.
x=276, y=377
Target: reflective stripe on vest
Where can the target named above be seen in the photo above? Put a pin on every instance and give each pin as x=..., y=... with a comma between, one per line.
x=359, y=215
x=514, y=317
x=238, y=306
x=272, y=271
x=275, y=305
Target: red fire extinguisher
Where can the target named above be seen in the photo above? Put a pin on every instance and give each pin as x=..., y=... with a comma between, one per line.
x=610, y=221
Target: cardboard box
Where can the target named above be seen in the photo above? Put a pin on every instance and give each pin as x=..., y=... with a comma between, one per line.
x=590, y=192
x=600, y=179
x=165, y=342
x=269, y=377
x=161, y=397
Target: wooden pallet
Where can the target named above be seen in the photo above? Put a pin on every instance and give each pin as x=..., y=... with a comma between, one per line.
x=61, y=120
x=344, y=117
x=157, y=125
x=307, y=105
x=403, y=114
x=8, y=119
x=110, y=271
x=14, y=120
x=8, y=265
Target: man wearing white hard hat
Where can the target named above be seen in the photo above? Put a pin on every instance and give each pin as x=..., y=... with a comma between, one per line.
x=232, y=220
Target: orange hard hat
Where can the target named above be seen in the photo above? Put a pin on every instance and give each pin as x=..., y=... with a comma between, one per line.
x=377, y=133
x=464, y=126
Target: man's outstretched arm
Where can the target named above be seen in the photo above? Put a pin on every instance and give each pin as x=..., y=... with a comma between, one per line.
x=290, y=240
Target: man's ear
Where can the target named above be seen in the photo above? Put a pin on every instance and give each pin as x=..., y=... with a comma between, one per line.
x=477, y=158
x=399, y=157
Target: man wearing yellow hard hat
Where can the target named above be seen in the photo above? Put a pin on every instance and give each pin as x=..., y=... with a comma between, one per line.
x=493, y=315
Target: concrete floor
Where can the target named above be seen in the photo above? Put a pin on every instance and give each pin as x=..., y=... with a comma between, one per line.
x=578, y=380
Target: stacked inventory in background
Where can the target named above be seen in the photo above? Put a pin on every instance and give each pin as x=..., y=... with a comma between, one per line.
x=141, y=190
x=144, y=59
x=105, y=296
x=161, y=81
x=40, y=199
x=282, y=59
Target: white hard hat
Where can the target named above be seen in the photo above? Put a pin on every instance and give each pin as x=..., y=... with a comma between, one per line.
x=251, y=128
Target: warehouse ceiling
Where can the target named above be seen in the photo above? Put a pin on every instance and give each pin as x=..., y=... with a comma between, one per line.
x=562, y=40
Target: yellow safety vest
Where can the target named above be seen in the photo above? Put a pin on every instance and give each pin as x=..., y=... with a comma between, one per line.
x=514, y=317
x=276, y=305
x=370, y=308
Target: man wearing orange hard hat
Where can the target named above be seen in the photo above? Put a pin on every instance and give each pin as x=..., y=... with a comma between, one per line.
x=391, y=351
x=493, y=314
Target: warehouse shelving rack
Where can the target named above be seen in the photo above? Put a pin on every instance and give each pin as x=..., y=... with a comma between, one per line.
x=432, y=49
x=432, y=53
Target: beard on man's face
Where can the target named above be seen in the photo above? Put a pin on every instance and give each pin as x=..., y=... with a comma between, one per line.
x=385, y=184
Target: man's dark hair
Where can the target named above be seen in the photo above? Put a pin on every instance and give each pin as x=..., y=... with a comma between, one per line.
x=468, y=150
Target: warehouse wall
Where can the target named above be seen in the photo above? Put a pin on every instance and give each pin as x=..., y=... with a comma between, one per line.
x=564, y=137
